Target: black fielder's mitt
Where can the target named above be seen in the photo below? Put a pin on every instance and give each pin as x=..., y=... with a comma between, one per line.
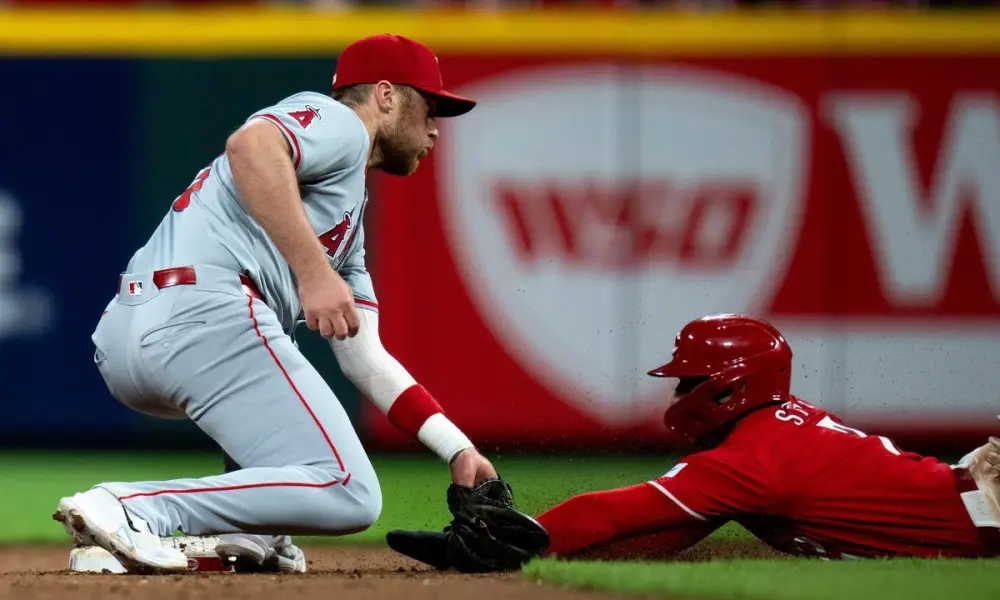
x=487, y=532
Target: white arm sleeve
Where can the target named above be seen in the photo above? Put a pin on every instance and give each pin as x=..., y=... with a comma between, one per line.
x=375, y=372
x=369, y=365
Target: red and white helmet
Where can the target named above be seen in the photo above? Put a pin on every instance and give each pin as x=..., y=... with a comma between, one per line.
x=735, y=362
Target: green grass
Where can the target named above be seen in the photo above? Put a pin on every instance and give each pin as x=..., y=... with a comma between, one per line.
x=413, y=487
x=794, y=579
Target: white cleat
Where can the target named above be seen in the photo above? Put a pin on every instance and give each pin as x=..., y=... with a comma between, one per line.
x=97, y=518
x=251, y=553
x=199, y=550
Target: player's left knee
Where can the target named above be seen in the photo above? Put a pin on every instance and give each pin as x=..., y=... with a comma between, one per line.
x=352, y=507
x=368, y=493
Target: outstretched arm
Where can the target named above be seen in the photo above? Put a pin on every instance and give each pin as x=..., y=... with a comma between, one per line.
x=638, y=521
x=665, y=515
x=407, y=404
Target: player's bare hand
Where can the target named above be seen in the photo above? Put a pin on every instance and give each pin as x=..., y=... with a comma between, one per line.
x=992, y=451
x=470, y=468
x=328, y=304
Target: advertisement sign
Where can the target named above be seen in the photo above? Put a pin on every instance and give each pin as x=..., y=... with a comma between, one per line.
x=565, y=230
x=623, y=173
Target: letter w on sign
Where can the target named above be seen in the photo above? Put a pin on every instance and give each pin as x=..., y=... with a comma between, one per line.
x=915, y=233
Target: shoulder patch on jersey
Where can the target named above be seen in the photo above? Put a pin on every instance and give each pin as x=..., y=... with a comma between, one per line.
x=305, y=116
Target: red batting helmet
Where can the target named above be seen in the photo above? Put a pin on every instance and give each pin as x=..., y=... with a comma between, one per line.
x=735, y=364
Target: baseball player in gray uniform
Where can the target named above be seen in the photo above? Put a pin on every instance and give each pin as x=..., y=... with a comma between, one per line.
x=268, y=235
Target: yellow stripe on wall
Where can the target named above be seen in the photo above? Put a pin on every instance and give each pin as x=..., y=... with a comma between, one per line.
x=295, y=31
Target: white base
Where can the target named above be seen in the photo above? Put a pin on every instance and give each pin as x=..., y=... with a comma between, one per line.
x=199, y=550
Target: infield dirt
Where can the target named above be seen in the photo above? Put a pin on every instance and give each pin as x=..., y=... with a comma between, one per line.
x=335, y=572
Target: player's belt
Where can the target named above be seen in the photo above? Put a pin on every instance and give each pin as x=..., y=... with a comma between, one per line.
x=165, y=278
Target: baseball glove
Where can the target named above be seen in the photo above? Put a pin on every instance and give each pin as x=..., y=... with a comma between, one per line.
x=487, y=532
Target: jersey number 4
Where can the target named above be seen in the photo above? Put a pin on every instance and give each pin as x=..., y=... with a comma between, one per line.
x=184, y=200
x=828, y=423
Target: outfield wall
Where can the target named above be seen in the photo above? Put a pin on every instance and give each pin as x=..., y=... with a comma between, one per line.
x=836, y=173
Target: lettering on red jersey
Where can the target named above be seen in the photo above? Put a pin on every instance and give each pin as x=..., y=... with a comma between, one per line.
x=828, y=423
x=794, y=412
x=797, y=412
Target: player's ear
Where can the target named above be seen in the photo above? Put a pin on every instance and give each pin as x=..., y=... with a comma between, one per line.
x=386, y=96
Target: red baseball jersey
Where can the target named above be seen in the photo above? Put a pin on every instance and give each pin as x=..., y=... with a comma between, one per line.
x=799, y=480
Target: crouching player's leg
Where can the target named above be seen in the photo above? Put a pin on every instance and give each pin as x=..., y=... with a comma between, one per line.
x=233, y=552
x=251, y=553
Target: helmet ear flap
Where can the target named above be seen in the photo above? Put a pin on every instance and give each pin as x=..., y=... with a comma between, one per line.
x=724, y=396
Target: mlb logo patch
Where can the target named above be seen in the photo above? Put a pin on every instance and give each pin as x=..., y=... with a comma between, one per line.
x=134, y=288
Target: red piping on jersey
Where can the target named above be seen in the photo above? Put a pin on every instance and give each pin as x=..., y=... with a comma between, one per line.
x=230, y=488
x=357, y=226
x=364, y=302
x=295, y=389
x=291, y=137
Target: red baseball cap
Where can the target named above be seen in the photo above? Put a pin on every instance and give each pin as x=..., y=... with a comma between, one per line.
x=401, y=61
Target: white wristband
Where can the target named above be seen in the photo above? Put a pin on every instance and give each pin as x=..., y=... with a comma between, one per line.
x=443, y=437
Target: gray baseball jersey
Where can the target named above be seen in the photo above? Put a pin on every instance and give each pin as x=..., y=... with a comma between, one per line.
x=211, y=353
x=208, y=223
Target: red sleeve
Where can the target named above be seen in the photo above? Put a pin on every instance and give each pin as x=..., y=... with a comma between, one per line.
x=720, y=483
x=667, y=514
x=619, y=522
